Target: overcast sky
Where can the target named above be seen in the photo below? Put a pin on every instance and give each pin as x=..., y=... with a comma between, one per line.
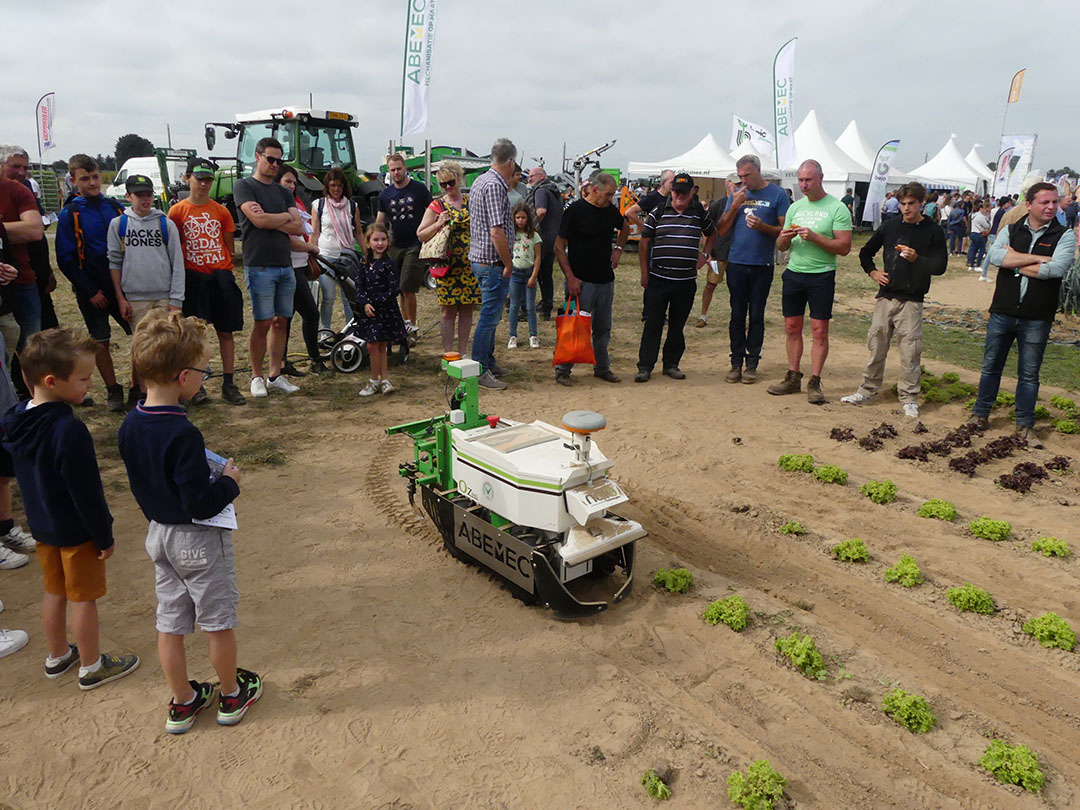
x=655, y=75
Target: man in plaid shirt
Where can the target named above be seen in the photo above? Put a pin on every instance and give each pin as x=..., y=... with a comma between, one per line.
x=491, y=232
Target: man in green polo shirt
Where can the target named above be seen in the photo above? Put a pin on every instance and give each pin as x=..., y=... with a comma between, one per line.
x=817, y=230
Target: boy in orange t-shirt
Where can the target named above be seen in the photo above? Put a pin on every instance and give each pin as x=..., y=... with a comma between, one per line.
x=206, y=235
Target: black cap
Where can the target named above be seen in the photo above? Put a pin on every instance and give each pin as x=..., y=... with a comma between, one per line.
x=682, y=182
x=138, y=182
x=201, y=167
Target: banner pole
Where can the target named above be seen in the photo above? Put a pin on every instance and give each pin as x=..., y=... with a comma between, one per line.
x=404, y=64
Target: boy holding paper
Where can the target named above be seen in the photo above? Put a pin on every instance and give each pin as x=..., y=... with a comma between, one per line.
x=170, y=478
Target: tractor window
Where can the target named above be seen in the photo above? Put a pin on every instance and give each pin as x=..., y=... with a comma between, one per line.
x=253, y=133
x=323, y=148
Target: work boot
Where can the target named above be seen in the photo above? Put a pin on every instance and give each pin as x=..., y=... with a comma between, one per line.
x=749, y=375
x=980, y=422
x=735, y=375
x=814, y=394
x=791, y=384
x=116, y=398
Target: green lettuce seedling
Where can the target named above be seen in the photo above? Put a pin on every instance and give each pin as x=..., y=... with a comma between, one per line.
x=990, y=529
x=853, y=550
x=969, y=598
x=879, y=491
x=830, y=474
x=1051, y=631
x=906, y=572
x=1051, y=547
x=655, y=786
x=796, y=462
x=1014, y=765
x=1063, y=403
x=1068, y=426
x=910, y=711
x=732, y=611
x=792, y=527
x=800, y=650
x=760, y=788
x=938, y=509
x=1042, y=412
x=676, y=580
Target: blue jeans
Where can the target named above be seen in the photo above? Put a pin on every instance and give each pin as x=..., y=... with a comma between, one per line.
x=328, y=288
x=748, y=287
x=976, y=250
x=521, y=293
x=271, y=290
x=986, y=259
x=26, y=307
x=1030, y=336
x=598, y=300
x=493, y=289
x=956, y=239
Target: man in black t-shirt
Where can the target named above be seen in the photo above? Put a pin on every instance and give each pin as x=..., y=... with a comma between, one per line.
x=588, y=261
x=268, y=215
x=401, y=207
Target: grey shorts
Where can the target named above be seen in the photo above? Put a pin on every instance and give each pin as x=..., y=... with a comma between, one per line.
x=194, y=577
x=411, y=271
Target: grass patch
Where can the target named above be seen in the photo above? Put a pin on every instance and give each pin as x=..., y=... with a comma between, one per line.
x=260, y=453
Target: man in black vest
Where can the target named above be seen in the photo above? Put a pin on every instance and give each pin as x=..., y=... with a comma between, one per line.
x=1033, y=255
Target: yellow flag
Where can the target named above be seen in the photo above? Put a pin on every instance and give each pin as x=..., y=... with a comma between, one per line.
x=1017, y=83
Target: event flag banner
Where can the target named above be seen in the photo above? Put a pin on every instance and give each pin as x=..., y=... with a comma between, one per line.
x=416, y=71
x=1001, y=173
x=760, y=137
x=45, y=114
x=783, y=104
x=1025, y=145
x=1014, y=88
x=875, y=196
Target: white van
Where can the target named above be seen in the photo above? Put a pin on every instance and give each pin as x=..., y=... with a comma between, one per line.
x=139, y=165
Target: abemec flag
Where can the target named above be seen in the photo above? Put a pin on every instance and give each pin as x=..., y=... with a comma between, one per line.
x=46, y=110
x=416, y=73
x=875, y=195
x=1014, y=88
x=783, y=100
x=743, y=131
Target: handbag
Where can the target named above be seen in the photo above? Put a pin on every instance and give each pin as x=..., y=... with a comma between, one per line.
x=436, y=250
x=573, y=337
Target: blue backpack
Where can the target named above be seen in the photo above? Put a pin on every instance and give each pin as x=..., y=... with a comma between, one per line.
x=123, y=230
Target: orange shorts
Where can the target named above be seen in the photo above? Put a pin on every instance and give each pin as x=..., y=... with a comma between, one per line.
x=74, y=572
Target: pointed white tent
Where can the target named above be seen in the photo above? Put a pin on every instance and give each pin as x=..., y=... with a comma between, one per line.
x=948, y=169
x=840, y=170
x=975, y=160
x=707, y=159
x=855, y=146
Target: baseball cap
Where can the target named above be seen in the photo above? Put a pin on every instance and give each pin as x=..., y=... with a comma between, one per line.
x=138, y=182
x=200, y=167
x=682, y=182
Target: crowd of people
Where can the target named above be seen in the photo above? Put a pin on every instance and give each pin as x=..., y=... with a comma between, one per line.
x=168, y=279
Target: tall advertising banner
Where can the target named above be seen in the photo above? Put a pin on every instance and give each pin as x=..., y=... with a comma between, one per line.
x=1014, y=88
x=416, y=71
x=1001, y=173
x=1025, y=145
x=783, y=104
x=759, y=137
x=45, y=112
x=875, y=196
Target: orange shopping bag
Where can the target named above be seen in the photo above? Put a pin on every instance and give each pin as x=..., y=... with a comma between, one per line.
x=573, y=341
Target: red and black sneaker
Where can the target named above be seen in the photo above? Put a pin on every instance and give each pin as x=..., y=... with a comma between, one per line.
x=182, y=716
x=231, y=709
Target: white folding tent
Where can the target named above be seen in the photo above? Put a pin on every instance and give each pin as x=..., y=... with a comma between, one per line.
x=840, y=170
x=975, y=160
x=949, y=169
x=706, y=159
x=856, y=147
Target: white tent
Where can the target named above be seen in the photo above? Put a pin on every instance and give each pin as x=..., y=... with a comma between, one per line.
x=856, y=147
x=975, y=160
x=707, y=159
x=949, y=169
x=840, y=170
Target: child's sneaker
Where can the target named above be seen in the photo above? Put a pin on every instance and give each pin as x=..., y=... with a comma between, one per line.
x=512, y=342
x=386, y=387
x=12, y=559
x=534, y=342
x=53, y=671
x=231, y=710
x=182, y=716
x=112, y=667
x=19, y=540
x=372, y=387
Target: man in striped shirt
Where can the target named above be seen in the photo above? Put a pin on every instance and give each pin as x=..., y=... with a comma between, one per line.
x=670, y=255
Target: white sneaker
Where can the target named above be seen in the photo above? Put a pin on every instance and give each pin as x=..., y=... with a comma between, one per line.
x=911, y=410
x=12, y=559
x=372, y=387
x=18, y=540
x=12, y=641
x=858, y=398
x=386, y=387
x=512, y=342
x=282, y=384
x=534, y=342
x=258, y=387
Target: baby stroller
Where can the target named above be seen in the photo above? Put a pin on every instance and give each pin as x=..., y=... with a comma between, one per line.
x=347, y=350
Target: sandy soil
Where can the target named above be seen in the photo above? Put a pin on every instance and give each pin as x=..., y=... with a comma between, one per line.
x=399, y=678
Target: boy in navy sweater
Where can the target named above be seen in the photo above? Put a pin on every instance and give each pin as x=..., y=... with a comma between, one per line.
x=193, y=562
x=65, y=503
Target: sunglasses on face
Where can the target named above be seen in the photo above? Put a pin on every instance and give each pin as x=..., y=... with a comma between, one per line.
x=448, y=183
x=273, y=161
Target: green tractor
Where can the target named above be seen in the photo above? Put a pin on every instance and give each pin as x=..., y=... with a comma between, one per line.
x=314, y=141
